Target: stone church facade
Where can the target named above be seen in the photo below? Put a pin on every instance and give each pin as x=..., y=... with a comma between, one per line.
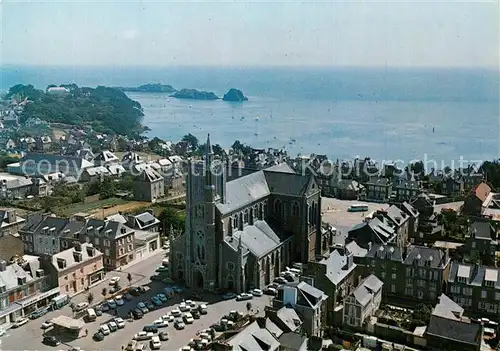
x=241, y=234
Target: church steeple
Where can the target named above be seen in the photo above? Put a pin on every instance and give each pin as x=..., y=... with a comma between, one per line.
x=208, y=147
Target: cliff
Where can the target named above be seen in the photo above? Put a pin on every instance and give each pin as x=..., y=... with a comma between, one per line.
x=195, y=95
x=234, y=95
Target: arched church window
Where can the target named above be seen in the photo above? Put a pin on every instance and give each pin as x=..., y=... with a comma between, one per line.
x=246, y=217
x=230, y=225
x=235, y=222
x=277, y=206
x=295, y=209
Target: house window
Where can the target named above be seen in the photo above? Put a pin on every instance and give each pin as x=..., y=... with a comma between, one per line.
x=82, y=281
x=409, y=291
x=473, y=244
x=67, y=288
x=107, y=243
x=393, y=288
x=382, y=275
x=96, y=241
x=497, y=296
x=106, y=252
x=393, y=276
x=483, y=294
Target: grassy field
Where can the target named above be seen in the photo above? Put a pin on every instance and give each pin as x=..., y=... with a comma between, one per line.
x=92, y=206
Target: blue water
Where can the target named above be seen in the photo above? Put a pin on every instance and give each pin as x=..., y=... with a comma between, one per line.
x=386, y=114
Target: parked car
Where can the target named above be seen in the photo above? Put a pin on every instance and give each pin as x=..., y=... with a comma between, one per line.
x=162, y=297
x=104, y=307
x=162, y=269
x=177, y=289
x=203, y=309
x=119, y=300
x=98, y=336
x=131, y=345
x=229, y=296
x=142, y=289
x=280, y=280
x=168, y=317
x=196, y=314
x=47, y=325
x=290, y=277
x=128, y=296
x=155, y=343
x=137, y=313
x=140, y=347
x=111, y=303
x=191, y=303
x=51, y=340
x=81, y=306
x=156, y=277
x=134, y=291
x=142, y=335
x=188, y=318
x=179, y=324
x=183, y=307
x=257, y=292
x=104, y=329
x=176, y=312
x=163, y=335
x=150, y=328
x=114, y=280
x=98, y=311
x=120, y=323
x=270, y=291
x=115, y=289
x=112, y=326
x=161, y=323
x=142, y=306
x=156, y=301
x=38, y=313
x=244, y=297
x=19, y=322
x=150, y=305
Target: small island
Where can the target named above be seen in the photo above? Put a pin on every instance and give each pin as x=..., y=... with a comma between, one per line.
x=234, y=95
x=150, y=88
x=195, y=95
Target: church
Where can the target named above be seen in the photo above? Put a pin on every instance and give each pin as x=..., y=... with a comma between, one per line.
x=240, y=234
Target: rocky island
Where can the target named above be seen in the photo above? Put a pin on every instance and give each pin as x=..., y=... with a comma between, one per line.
x=150, y=88
x=195, y=95
x=234, y=95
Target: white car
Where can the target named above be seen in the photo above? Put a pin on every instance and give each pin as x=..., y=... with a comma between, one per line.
x=20, y=322
x=190, y=303
x=142, y=335
x=188, y=318
x=120, y=323
x=47, y=325
x=257, y=292
x=179, y=324
x=114, y=280
x=176, y=312
x=184, y=307
x=104, y=329
x=81, y=306
x=168, y=317
x=161, y=323
x=119, y=300
x=155, y=343
x=203, y=309
x=111, y=303
x=112, y=326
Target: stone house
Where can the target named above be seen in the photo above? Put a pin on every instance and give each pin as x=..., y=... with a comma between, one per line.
x=346, y=189
x=452, y=186
x=43, y=143
x=373, y=230
x=378, y=189
x=473, y=203
x=481, y=243
x=148, y=186
x=309, y=303
x=413, y=220
x=363, y=302
x=335, y=274
x=77, y=268
x=410, y=274
x=406, y=190
x=94, y=174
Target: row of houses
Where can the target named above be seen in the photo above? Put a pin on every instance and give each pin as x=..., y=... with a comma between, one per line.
x=51, y=255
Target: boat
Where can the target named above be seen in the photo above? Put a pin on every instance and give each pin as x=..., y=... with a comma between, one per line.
x=256, y=119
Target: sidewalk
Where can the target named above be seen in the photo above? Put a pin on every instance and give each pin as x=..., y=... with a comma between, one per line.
x=147, y=256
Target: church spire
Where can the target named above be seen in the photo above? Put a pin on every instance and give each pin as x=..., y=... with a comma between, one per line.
x=208, y=146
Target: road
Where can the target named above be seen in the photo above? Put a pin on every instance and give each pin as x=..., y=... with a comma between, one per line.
x=29, y=336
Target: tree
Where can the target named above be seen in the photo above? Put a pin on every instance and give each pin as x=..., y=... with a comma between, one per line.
x=191, y=140
x=171, y=217
x=129, y=278
x=90, y=298
x=249, y=307
x=107, y=189
x=104, y=292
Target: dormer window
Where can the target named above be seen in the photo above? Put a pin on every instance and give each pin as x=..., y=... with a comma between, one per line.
x=108, y=232
x=462, y=279
x=61, y=263
x=77, y=256
x=490, y=283
x=89, y=229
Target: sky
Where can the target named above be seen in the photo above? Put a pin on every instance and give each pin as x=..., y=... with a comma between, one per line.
x=272, y=33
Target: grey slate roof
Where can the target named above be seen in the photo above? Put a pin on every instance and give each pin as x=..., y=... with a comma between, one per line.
x=68, y=256
x=254, y=338
x=292, y=341
x=420, y=256
x=410, y=209
x=475, y=275
x=146, y=219
x=397, y=216
x=287, y=183
x=469, y=333
x=149, y=175
x=334, y=264
x=367, y=289
x=355, y=249
x=378, y=181
x=258, y=238
x=281, y=167
x=481, y=230
x=289, y=318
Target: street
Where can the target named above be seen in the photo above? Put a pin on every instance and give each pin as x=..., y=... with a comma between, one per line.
x=29, y=336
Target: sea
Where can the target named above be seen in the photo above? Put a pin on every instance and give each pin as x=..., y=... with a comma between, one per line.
x=440, y=116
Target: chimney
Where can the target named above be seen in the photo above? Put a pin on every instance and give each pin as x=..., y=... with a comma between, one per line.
x=3, y=266
x=131, y=221
x=349, y=261
x=21, y=281
x=11, y=216
x=369, y=246
x=446, y=255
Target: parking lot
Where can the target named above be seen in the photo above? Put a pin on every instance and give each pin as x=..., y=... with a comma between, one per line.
x=29, y=336
x=335, y=212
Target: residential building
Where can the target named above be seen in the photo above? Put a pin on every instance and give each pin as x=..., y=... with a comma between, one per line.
x=10, y=247
x=77, y=268
x=242, y=233
x=24, y=287
x=363, y=302
x=143, y=221
x=43, y=143
x=410, y=274
x=413, y=219
x=476, y=288
x=33, y=122
x=106, y=158
x=146, y=242
x=292, y=342
x=86, y=154
x=346, y=189
x=449, y=330
x=252, y=337
x=309, y=303
x=284, y=319
x=481, y=243
x=335, y=274
x=378, y=189
x=473, y=203
x=399, y=220
x=16, y=186
x=406, y=190
x=148, y=186
x=376, y=230
x=94, y=174
x=452, y=186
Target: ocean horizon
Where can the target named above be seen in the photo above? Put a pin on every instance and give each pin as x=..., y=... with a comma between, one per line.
x=386, y=114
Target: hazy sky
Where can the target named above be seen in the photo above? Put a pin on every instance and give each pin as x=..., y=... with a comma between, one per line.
x=334, y=33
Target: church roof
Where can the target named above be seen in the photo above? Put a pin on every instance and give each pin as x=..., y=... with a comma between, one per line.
x=258, y=238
